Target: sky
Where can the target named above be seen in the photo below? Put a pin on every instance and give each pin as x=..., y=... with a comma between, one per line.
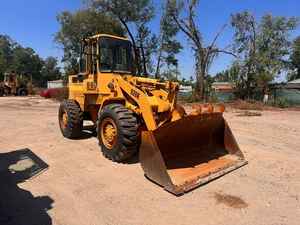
x=32, y=23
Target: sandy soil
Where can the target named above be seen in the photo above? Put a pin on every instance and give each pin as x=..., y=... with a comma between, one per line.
x=81, y=187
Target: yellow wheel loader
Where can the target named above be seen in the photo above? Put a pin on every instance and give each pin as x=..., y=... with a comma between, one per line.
x=137, y=114
x=18, y=85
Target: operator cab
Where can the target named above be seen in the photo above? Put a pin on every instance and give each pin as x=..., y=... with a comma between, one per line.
x=106, y=54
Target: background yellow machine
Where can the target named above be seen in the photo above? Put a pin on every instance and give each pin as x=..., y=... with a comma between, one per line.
x=136, y=114
x=13, y=84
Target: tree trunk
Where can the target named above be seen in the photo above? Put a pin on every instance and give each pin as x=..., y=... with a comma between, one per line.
x=144, y=60
x=158, y=65
x=199, y=90
x=248, y=82
x=200, y=74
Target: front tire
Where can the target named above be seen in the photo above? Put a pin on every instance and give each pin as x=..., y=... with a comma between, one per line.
x=117, y=129
x=70, y=119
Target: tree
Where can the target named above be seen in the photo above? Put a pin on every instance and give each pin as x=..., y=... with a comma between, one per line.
x=245, y=46
x=233, y=75
x=171, y=74
x=229, y=75
x=184, y=14
x=222, y=76
x=273, y=47
x=295, y=60
x=26, y=61
x=147, y=44
x=261, y=47
x=133, y=14
x=78, y=25
x=6, y=54
x=50, y=70
x=168, y=45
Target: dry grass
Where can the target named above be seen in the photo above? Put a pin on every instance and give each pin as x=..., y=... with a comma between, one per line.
x=247, y=105
x=248, y=113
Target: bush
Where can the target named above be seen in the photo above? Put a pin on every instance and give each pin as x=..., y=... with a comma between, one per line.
x=281, y=103
x=56, y=93
x=248, y=105
x=187, y=97
x=213, y=98
x=62, y=94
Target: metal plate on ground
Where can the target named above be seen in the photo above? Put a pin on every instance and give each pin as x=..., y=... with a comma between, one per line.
x=22, y=164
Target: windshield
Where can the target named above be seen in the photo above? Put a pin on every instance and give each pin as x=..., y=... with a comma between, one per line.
x=115, y=55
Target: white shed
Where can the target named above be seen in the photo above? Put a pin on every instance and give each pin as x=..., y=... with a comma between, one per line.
x=55, y=84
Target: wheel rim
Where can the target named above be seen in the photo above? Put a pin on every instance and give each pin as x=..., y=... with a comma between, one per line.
x=64, y=120
x=109, y=133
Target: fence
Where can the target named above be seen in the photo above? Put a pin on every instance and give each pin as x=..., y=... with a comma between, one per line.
x=291, y=96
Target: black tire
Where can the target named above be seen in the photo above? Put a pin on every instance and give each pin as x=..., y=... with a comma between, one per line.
x=73, y=126
x=1, y=92
x=22, y=92
x=127, y=138
x=7, y=91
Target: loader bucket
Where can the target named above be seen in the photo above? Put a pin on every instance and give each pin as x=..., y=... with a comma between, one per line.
x=189, y=152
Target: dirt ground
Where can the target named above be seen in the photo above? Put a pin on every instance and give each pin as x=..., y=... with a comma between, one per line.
x=81, y=187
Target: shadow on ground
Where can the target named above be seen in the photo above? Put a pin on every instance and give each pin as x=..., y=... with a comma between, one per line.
x=88, y=132
x=19, y=206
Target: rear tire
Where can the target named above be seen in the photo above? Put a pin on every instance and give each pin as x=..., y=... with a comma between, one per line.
x=122, y=125
x=70, y=119
x=1, y=92
x=22, y=92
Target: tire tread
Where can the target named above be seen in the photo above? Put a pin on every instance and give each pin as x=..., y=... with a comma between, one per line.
x=128, y=131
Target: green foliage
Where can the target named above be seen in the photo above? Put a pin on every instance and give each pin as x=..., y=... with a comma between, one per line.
x=229, y=75
x=147, y=44
x=295, y=60
x=129, y=11
x=186, y=82
x=189, y=98
x=169, y=46
x=26, y=61
x=6, y=54
x=262, y=48
x=14, y=57
x=184, y=14
x=78, y=25
x=213, y=98
x=135, y=16
x=280, y=102
x=50, y=70
x=171, y=74
x=273, y=45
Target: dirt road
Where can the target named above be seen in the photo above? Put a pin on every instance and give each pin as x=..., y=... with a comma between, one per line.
x=81, y=187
